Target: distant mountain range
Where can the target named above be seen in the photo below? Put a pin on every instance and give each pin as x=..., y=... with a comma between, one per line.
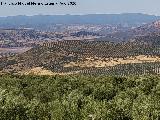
x=126, y=19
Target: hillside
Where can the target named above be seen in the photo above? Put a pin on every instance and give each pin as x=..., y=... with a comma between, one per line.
x=86, y=57
x=147, y=31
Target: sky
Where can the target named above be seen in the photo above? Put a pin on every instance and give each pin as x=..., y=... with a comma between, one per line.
x=151, y=7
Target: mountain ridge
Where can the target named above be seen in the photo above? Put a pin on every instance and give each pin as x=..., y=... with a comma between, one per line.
x=125, y=19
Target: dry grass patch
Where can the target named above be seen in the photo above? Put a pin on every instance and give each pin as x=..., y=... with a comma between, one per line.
x=109, y=62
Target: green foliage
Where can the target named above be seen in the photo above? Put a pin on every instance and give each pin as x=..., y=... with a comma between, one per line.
x=79, y=98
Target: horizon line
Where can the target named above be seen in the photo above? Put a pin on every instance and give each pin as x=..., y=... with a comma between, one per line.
x=80, y=14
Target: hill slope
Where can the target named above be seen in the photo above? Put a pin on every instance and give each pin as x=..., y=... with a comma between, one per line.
x=87, y=57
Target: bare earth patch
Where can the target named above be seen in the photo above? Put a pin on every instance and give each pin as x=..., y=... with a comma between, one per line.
x=14, y=49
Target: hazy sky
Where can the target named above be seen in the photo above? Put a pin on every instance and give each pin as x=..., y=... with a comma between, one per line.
x=84, y=7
